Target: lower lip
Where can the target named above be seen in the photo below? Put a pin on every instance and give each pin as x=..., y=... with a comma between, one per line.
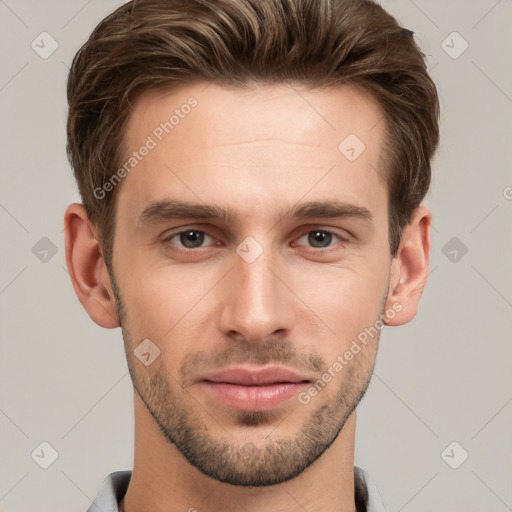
x=255, y=398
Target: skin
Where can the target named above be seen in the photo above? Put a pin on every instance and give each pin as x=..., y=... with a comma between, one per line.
x=299, y=304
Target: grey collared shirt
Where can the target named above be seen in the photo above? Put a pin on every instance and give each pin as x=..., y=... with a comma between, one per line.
x=115, y=485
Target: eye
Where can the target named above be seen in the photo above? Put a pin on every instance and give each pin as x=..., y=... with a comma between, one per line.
x=189, y=239
x=321, y=238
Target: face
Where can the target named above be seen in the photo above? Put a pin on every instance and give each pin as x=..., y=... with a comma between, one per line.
x=259, y=279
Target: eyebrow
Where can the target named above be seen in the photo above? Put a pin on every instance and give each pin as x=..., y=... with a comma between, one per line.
x=166, y=210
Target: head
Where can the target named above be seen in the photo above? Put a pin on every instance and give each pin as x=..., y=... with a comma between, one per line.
x=250, y=109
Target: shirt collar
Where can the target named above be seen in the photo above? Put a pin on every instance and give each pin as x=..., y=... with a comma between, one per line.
x=368, y=498
x=115, y=485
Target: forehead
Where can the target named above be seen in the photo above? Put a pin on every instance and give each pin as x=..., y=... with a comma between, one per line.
x=253, y=146
x=222, y=115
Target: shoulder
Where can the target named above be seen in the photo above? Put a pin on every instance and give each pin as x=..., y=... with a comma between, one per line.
x=111, y=492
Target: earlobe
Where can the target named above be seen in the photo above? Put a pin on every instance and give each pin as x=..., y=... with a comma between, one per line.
x=87, y=268
x=409, y=269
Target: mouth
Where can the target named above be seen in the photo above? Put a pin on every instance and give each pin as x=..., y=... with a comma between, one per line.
x=247, y=389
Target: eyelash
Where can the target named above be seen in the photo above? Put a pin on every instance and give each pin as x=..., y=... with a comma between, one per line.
x=167, y=240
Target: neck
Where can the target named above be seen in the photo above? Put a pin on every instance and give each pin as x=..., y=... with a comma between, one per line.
x=164, y=481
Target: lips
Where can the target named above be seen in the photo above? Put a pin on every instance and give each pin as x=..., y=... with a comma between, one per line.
x=255, y=377
x=252, y=389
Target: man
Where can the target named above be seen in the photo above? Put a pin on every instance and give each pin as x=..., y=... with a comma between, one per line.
x=252, y=174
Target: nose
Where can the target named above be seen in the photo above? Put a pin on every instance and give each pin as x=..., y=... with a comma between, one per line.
x=257, y=301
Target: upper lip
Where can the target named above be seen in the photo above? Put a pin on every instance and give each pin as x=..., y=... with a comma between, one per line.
x=246, y=376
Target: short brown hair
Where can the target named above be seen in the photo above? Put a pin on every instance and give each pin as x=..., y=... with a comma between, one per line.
x=150, y=44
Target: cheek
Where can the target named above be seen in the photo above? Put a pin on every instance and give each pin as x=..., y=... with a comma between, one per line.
x=347, y=299
x=156, y=299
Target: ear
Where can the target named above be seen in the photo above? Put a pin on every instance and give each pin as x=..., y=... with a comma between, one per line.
x=89, y=275
x=409, y=269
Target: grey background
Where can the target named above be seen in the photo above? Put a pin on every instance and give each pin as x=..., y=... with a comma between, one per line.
x=444, y=377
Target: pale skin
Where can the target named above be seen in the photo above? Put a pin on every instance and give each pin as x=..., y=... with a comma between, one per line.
x=259, y=152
